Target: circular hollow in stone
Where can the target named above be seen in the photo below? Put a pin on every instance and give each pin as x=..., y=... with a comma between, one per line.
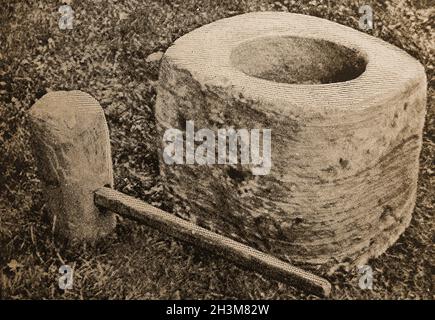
x=297, y=60
x=346, y=113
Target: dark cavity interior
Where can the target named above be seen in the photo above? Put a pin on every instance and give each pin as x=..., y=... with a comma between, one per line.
x=298, y=60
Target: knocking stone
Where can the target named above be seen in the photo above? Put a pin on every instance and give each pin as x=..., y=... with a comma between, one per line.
x=346, y=112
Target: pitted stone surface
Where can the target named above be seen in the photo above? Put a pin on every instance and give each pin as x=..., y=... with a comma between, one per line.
x=72, y=147
x=346, y=137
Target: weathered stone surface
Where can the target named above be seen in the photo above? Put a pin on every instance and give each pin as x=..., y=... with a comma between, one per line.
x=72, y=149
x=346, y=112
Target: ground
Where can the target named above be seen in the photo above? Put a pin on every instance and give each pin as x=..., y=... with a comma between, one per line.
x=105, y=55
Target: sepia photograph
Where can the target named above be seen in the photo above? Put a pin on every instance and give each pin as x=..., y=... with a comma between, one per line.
x=217, y=156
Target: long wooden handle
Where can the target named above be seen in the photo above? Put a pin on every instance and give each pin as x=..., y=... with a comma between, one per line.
x=227, y=248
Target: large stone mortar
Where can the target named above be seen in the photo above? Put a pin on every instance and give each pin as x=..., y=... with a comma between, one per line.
x=346, y=112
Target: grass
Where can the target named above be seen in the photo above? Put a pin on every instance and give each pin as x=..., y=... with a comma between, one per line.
x=104, y=55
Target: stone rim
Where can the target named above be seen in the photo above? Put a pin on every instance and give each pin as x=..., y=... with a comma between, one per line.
x=205, y=54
